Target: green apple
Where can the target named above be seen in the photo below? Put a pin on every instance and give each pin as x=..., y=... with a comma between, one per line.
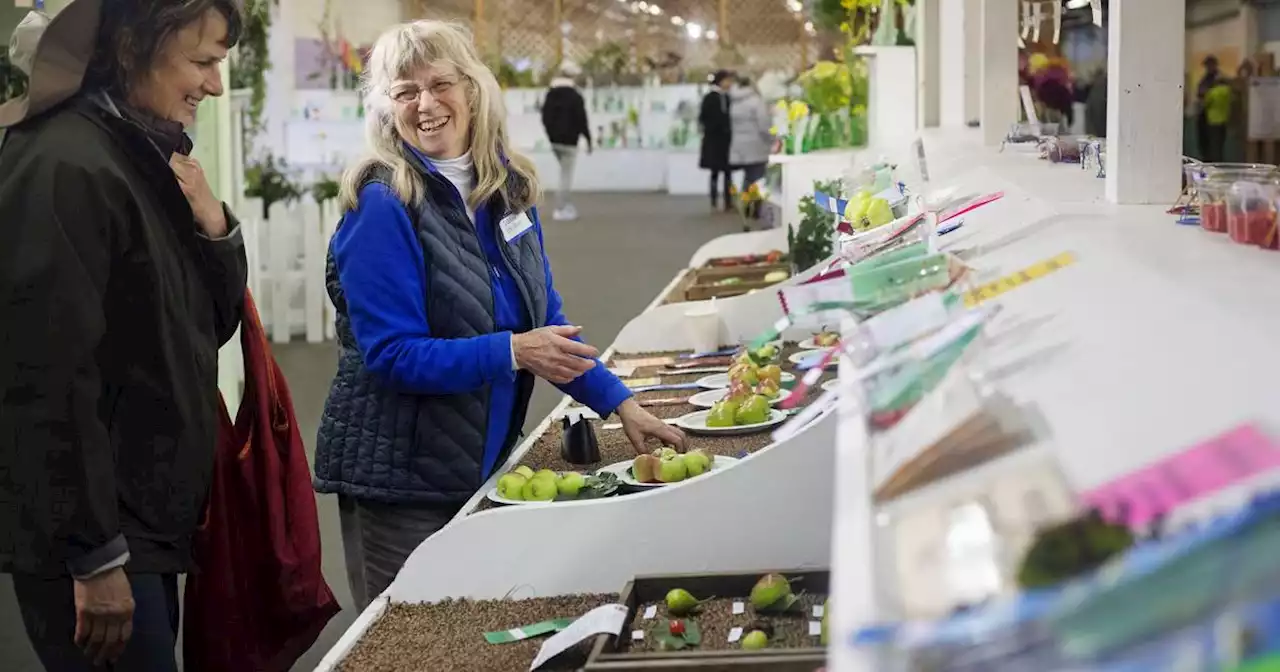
x=722, y=414
x=879, y=213
x=772, y=373
x=673, y=470
x=570, y=483
x=776, y=276
x=540, y=490
x=768, y=389
x=546, y=473
x=667, y=453
x=755, y=640
x=511, y=485
x=752, y=411
x=697, y=462
x=523, y=471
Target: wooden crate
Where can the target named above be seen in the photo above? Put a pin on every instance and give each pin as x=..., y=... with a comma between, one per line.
x=607, y=656
x=703, y=287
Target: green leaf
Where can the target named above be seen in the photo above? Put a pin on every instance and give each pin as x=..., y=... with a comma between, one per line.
x=692, y=633
x=670, y=642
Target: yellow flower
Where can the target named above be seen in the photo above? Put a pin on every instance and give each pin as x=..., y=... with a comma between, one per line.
x=782, y=106
x=773, y=130
x=845, y=27
x=797, y=111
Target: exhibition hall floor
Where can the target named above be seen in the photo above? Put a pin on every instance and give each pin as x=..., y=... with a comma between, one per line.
x=608, y=265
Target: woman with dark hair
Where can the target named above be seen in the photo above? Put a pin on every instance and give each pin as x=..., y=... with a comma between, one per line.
x=120, y=277
x=717, y=133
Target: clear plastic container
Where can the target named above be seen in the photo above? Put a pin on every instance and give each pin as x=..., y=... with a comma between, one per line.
x=1251, y=213
x=1216, y=179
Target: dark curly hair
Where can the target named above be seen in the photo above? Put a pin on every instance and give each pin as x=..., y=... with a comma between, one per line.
x=133, y=32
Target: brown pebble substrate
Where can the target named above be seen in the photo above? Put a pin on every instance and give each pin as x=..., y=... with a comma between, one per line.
x=614, y=445
x=449, y=636
x=716, y=618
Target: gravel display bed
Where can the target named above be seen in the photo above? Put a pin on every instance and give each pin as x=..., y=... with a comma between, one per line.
x=449, y=636
x=716, y=618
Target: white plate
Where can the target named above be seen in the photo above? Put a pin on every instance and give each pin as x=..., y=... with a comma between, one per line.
x=696, y=423
x=831, y=385
x=494, y=497
x=811, y=344
x=801, y=357
x=719, y=380
x=623, y=471
x=709, y=398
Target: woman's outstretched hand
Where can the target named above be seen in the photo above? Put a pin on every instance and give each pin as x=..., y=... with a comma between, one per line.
x=552, y=354
x=640, y=425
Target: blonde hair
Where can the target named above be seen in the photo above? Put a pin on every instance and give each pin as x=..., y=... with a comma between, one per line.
x=400, y=53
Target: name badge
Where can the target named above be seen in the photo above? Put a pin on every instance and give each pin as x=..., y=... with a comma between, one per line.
x=513, y=226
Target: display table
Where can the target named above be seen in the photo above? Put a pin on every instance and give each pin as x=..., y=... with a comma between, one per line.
x=1156, y=338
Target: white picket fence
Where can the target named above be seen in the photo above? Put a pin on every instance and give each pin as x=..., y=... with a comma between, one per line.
x=286, y=253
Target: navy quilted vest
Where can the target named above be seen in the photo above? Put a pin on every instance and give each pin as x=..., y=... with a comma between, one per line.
x=379, y=444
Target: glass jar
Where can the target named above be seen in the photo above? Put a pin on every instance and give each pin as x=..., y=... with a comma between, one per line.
x=1216, y=179
x=1251, y=212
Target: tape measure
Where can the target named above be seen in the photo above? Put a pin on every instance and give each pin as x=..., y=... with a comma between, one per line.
x=1012, y=281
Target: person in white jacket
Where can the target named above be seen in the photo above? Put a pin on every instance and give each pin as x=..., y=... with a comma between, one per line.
x=750, y=120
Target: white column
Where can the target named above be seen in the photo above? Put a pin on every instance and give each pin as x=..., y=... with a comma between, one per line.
x=280, y=80
x=1145, y=55
x=928, y=43
x=959, y=42
x=999, y=100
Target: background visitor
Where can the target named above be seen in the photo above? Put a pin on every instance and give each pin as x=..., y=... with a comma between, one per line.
x=564, y=116
x=716, y=136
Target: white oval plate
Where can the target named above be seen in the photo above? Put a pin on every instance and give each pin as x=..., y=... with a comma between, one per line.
x=623, y=471
x=494, y=497
x=696, y=423
x=716, y=381
x=810, y=344
x=801, y=357
x=831, y=385
x=709, y=398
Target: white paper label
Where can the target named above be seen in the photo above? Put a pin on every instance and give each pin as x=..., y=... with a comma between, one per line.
x=907, y=322
x=739, y=608
x=637, y=635
x=1096, y=6
x=735, y=634
x=815, y=628
x=514, y=225
x=650, y=612
x=516, y=633
x=818, y=611
x=608, y=619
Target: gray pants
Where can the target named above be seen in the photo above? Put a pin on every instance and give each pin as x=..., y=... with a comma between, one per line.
x=377, y=538
x=567, y=155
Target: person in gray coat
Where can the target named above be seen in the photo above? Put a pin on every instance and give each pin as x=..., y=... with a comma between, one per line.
x=750, y=121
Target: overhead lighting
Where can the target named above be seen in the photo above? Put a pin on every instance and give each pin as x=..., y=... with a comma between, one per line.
x=694, y=30
x=677, y=20
x=655, y=10
x=1077, y=4
x=711, y=35
x=795, y=6
x=808, y=27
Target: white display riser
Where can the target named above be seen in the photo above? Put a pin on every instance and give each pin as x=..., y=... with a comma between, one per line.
x=800, y=171
x=1159, y=336
x=810, y=549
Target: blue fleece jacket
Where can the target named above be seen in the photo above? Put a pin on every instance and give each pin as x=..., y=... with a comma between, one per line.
x=383, y=274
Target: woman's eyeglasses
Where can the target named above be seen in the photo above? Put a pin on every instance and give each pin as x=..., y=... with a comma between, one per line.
x=412, y=93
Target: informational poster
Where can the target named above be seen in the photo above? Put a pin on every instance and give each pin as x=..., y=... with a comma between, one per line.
x=1264, y=108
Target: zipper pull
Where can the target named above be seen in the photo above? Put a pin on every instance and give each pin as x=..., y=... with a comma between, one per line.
x=496, y=273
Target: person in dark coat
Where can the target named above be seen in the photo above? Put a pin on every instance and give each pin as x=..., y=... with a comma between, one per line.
x=564, y=117
x=446, y=308
x=716, y=136
x=121, y=275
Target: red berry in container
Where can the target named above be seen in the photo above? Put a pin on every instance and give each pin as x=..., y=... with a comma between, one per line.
x=677, y=628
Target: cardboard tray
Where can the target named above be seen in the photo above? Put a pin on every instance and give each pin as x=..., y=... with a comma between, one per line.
x=606, y=655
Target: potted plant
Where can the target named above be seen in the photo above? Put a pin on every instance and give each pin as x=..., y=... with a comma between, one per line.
x=811, y=242
x=269, y=181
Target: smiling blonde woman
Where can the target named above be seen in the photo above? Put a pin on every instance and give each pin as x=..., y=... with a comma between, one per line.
x=446, y=311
